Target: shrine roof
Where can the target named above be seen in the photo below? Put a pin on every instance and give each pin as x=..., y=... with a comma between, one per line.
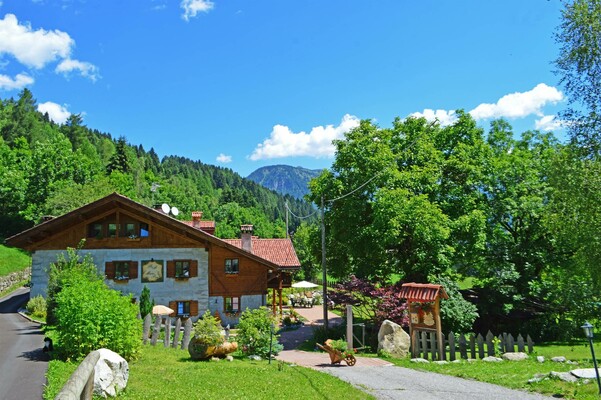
x=422, y=292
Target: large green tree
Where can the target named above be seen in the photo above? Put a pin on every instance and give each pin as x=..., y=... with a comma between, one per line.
x=579, y=69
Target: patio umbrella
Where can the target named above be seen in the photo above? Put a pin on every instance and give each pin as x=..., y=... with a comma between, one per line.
x=161, y=310
x=304, y=285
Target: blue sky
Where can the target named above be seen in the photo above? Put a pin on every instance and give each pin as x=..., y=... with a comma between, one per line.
x=243, y=83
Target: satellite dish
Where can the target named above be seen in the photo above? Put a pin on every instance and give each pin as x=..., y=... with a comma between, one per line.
x=174, y=211
x=165, y=207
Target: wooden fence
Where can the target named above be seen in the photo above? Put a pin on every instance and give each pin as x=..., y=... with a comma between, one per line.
x=471, y=346
x=167, y=341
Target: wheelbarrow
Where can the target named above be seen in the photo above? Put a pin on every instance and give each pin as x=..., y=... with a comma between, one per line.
x=336, y=356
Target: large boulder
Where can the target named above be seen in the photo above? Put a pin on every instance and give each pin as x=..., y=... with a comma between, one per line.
x=110, y=374
x=393, y=340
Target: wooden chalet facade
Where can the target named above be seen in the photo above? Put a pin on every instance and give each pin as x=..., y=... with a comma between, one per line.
x=184, y=266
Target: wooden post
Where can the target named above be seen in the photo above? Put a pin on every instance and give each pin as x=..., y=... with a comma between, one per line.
x=156, y=330
x=146, y=329
x=530, y=344
x=520, y=343
x=187, y=333
x=349, y=327
x=273, y=309
x=178, y=327
x=462, y=346
x=452, y=346
x=472, y=346
x=281, y=306
x=438, y=327
x=489, y=344
x=480, y=341
x=167, y=338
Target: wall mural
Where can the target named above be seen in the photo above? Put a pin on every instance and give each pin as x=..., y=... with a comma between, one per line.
x=152, y=271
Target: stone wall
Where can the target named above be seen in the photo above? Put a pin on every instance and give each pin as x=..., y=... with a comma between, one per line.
x=15, y=277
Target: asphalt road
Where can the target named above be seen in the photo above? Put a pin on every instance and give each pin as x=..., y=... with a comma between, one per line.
x=392, y=383
x=23, y=365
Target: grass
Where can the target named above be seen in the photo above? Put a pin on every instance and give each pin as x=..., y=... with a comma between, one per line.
x=13, y=260
x=515, y=375
x=169, y=373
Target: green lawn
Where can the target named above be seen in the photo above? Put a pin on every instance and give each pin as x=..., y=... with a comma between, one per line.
x=169, y=373
x=12, y=260
x=516, y=374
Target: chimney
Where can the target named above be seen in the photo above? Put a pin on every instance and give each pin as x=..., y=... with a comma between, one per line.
x=247, y=232
x=196, y=216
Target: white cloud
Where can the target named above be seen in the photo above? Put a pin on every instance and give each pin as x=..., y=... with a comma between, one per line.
x=318, y=143
x=548, y=123
x=519, y=105
x=193, y=7
x=56, y=112
x=37, y=48
x=32, y=48
x=85, y=69
x=19, y=82
x=444, y=117
x=222, y=158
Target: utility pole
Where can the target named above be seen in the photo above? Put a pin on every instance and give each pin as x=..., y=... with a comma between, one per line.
x=323, y=265
x=287, y=210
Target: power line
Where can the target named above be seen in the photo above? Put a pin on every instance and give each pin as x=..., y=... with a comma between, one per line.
x=298, y=216
x=384, y=170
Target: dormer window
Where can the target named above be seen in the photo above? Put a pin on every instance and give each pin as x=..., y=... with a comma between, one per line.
x=115, y=226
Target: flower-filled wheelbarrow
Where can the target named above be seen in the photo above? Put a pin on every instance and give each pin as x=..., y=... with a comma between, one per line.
x=336, y=356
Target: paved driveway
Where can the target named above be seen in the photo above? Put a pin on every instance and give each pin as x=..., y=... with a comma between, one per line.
x=385, y=381
x=23, y=365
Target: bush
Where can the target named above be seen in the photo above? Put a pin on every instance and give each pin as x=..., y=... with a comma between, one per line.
x=207, y=330
x=37, y=307
x=145, y=303
x=457, y=314
x=321, y=334
x=254, y=333
x=90, y=316
x=64, y=272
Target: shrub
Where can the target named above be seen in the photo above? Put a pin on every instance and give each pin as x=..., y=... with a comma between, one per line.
x=457, y=314
x=145, y=303
x=66, y=271
x=207, y=330
x=254, y=333
x=37, y=307
x=321, y=334
x=90, y=316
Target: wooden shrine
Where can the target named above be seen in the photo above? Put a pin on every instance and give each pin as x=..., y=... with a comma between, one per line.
x=423, y=304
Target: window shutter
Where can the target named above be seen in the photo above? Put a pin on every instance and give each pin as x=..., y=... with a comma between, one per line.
x=193, y=308
x=173, y=306
x=171, y=269
x=109, y=270
x=193, y=268
x=133, y=270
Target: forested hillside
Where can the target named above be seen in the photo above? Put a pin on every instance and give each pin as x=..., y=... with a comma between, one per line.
x=285, y=179
x=50, y=169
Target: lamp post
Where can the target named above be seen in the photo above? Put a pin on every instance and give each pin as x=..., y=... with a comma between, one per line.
x=588, y=332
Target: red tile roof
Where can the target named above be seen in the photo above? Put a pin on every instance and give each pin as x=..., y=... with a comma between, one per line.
x=278, y=251
x=202, y=224
x=422, y=292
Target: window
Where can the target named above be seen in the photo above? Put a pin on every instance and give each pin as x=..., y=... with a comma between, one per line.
x=95, y=231
x=144, y=231
x=121, y=270
x=231, y=266
x=129, y=231
x=232, y=304
x=182, y=269
x=183, y=308
x=112, y=230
